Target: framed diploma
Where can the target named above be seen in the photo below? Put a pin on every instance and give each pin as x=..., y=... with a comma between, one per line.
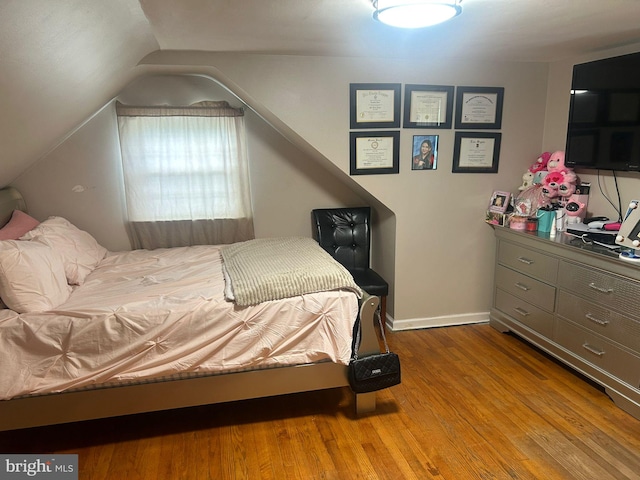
x=476, y=152
x=375, y=152
x=374, y=105
x=428, y=106
x=479, y=107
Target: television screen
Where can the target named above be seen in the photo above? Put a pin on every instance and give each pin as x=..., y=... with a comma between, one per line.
x=604, y=115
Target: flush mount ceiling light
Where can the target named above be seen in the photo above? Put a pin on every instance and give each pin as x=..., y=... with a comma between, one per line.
x=415, y=13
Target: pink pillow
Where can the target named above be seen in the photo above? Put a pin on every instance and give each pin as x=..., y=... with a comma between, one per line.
x=19, y=224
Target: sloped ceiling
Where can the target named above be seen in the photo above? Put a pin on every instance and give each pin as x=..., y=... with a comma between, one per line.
x=62, y=61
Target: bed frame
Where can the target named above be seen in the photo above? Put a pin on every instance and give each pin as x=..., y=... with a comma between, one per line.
x=130, y=399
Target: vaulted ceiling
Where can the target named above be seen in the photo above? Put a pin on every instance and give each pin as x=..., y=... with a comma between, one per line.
x=61, y=61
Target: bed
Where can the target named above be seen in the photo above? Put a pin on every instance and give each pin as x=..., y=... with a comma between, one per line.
x=141, y=331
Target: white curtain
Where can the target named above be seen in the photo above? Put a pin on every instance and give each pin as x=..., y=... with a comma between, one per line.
x=186, y=175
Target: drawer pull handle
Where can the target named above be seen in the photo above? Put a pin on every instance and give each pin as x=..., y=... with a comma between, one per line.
x=600, y=289
x=593, y=350
x=596, y=320
x=521, y=286
x=522, y=312
x=525, y=260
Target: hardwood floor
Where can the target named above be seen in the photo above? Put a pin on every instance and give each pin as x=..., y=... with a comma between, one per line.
x=473, y=404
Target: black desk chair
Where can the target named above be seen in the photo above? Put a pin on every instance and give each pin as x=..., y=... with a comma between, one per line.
x=345, y=234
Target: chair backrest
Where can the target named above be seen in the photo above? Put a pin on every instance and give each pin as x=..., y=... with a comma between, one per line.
x=345, y=234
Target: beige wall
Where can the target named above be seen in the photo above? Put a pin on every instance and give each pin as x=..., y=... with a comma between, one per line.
x=285, y=183
x=440, y=255
x=88, y=160
x=430, y=239
x=555, y=132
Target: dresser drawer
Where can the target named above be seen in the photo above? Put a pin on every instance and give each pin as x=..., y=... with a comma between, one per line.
x=533, y=291
x=601, y=287
x=525, y=313
x=600, y=319
x=529, y=262
x=599, y=352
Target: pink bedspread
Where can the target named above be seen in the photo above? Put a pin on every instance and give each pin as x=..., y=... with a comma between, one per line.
x=148, y=314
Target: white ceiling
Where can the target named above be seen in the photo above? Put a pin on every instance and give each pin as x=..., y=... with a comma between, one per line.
x=528, y=30
x=61, y=61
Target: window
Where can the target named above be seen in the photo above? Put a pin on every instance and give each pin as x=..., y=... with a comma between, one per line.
x=185, y=163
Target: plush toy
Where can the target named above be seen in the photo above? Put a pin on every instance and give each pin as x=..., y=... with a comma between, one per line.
x=527, y=180
x=551, y=183
x=575, y=209
x=541, y=163
x=538, y=170
x=556, y=162
x=559, y=183
x=538, y=177
x=568, y=186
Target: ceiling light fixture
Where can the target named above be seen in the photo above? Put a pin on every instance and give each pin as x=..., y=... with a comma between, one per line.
x=415, y=13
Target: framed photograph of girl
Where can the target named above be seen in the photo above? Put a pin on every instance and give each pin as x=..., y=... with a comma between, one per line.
x=425, y=152
x=499, y=202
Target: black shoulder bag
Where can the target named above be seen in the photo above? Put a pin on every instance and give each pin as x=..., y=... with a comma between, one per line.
x=373, y=372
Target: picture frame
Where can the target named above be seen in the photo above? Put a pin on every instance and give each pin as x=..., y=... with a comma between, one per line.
x=424, y=152
x=495, y=218
x=374, y=153
x=479, y=107
x=428, y=106
x=499, y=201
x=523, y=207
x=476, y=152
x=374, y=105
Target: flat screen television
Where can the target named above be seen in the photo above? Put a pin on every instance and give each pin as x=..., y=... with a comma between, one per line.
x=604, y=115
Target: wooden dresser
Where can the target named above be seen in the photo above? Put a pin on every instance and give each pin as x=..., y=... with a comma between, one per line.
x=578, y=303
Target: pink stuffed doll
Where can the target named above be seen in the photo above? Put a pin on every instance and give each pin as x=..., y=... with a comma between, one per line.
x=559, y=184
x=568, y=186
x=556, y=162
x=551, y=183
x=575, y=210
x=541, y=163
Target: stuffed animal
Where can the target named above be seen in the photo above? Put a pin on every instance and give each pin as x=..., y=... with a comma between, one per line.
x=541, y=163
x=556, y=162
x=575, y=209
x=559, y=183
x=551, y=184
x=568, y=185
x=539, y=177
x=527, y=180
x=538, y=170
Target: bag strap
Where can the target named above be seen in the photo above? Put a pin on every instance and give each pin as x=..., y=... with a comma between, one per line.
x=358, y=332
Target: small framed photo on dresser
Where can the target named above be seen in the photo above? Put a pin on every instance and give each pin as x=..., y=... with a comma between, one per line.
x=499, y=202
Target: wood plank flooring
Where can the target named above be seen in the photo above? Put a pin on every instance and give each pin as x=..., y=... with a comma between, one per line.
x=473, y=404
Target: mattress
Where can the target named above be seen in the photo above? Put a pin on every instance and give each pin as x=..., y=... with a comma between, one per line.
x=146, y=314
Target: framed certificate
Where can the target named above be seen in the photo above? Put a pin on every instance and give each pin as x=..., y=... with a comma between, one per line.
x=374, y=152
x=374, y=105
x=428, y=106
x=476, y=152
x=479, y=107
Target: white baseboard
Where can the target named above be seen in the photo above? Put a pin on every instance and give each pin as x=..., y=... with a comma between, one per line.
x=444, y=321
